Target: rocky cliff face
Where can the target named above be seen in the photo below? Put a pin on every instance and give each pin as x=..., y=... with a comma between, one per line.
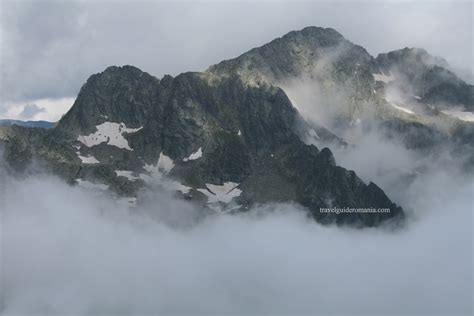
x=218, y=141
x=340, y=71
x=408, y=93
x=426, y=78
x=230, y=137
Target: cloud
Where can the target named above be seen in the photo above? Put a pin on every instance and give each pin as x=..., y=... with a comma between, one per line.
x=46, y=109
x=50, y=48
x=67, y=250
x=76, y=252
x=31, y=110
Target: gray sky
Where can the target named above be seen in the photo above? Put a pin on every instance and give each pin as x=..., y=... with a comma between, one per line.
x=50, y=48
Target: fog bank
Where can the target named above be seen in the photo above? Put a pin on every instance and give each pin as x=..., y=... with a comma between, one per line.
x=68, y=251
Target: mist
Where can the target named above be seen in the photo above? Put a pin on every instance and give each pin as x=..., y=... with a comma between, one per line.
x=170, y=37
x=71, y=251
x=67, y=250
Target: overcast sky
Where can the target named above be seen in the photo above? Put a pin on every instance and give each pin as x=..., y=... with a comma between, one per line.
x=50, y=48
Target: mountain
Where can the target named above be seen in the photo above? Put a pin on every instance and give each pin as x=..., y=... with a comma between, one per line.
x=240, y=134
x=213, y=141
x=38, y=124
x=426, y=78
x=338, y=87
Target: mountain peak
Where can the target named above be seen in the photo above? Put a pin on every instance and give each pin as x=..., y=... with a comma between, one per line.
x=125, y=72
x=119, y=93
x=316, y=32
x=296, y=53
x=124, y=68
x=426, y=76
x=235, y=129
x=413, y=56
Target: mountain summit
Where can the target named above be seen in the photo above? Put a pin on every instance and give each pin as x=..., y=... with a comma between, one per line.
x=231, y=137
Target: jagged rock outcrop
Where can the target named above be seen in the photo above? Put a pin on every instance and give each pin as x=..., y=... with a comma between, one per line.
x=218, y=141
x=427, y=78
x=230, y=137
x=404, y=92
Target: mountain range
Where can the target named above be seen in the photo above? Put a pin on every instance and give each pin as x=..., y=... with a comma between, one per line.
x=39, y=124
x=255, y=129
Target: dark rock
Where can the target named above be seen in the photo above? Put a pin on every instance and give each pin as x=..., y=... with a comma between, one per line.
x=244, y=125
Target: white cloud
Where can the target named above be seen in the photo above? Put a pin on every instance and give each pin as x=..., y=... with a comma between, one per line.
x=30, y=110
x=51, y=109
x=50, y=48
x=73, y=252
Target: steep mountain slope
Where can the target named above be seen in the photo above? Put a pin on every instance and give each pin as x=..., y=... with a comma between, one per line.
x=19, y=145
x=426, y=78
x=336, y=68
x=217, y=141
x=337, y=85
x=249, y=130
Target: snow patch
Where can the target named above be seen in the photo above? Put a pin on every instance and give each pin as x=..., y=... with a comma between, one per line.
x=221, y=193
x=157, y=175
x=88, y=160
x=127, y=174
x=462, y=115
x=165, y=163
x=402, y=108
x=110, y=133
x=194, y=156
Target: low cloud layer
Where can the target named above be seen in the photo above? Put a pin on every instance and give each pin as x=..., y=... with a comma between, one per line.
x=70, y=251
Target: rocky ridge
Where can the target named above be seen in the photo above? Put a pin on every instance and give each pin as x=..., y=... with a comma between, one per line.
x=230, y=137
